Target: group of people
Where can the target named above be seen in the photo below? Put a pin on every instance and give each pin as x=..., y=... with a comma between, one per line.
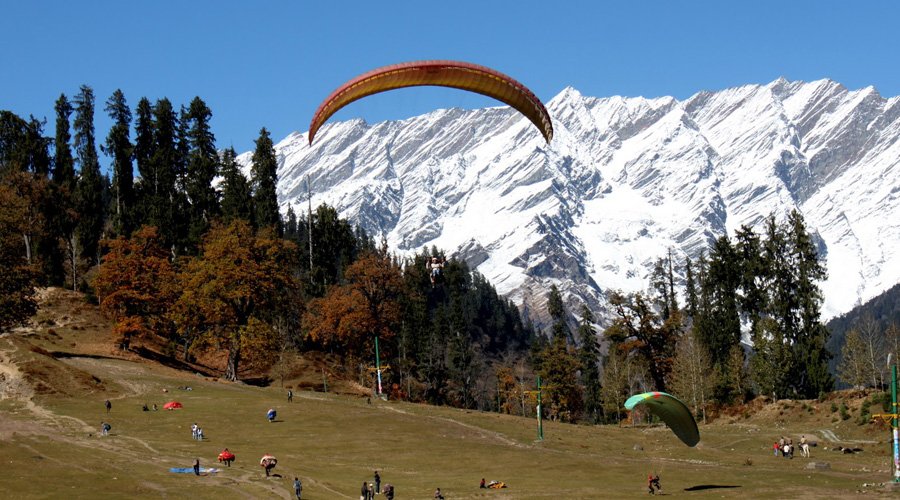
x=785, y=446
x=369, y=490
x=197, y=432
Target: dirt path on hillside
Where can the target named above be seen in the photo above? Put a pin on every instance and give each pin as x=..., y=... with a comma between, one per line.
x=491, y=435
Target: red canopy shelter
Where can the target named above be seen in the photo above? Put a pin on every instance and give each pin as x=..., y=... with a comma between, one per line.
x=172, y=405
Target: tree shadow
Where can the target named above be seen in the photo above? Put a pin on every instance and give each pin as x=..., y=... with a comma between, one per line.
x=702, y=487
x=263, y=381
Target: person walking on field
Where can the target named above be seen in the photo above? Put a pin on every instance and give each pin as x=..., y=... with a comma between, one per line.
x=298, y=487
x=108, y=406
x=290, y=396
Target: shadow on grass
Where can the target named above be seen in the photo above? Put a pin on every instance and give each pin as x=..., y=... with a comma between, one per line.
x=257, y=381
x=171, y=362
x=702, y=487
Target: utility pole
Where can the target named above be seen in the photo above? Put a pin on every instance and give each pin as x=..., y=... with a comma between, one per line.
x=539, y=411
x=378, y=366
x=894, y=412
x=893, y=417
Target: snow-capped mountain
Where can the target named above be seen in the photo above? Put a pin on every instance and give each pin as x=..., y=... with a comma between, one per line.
x=624, y=181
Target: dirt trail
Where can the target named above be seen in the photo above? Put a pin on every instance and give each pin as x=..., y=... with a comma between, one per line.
x=480, y=430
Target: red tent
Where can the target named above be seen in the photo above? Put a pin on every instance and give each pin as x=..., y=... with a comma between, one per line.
x=172, y=405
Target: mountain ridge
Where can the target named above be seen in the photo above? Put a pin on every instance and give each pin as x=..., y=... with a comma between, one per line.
x=624, y=180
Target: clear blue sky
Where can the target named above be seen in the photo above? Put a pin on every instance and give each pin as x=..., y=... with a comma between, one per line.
x=270, y=63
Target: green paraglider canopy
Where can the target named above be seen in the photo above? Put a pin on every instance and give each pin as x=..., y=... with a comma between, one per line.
x=672, y=411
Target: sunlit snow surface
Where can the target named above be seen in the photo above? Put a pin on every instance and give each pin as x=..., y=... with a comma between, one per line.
x=624, y=181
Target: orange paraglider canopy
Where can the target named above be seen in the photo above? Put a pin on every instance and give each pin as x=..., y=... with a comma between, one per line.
x=172, y=405
x=455, y=74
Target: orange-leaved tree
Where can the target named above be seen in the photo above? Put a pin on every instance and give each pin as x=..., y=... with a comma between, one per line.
x=136, y=285
x=234, y=291
x=349, y=316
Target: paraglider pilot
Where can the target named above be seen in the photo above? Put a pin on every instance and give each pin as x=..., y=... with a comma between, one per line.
x=435, y=267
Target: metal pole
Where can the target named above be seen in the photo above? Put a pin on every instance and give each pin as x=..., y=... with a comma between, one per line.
x=539, y=412
x=894, y=424
x=378, y=365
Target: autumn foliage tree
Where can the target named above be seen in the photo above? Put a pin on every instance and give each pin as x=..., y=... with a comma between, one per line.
x=18, y=278
x=350, y=316
x=639, y=329
x=136, y=285
x=234, y=292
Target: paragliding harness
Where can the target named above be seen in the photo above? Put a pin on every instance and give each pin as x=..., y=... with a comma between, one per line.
x=435, y=268
x=653, y=482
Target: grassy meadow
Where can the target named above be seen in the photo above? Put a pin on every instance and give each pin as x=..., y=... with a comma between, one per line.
x=52, y=407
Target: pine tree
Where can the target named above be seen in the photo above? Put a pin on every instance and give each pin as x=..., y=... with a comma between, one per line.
x=690, y=289
x=202, y=165
x=119, y=147
x=265, y=181
x=63, y=163
x=812, y=377
x=64, y=182
x=589, y=356
x=752, y=297
x=662, y=279
x=290, y=225
x=89, y=190
x=145, y=187
x=163, y=169
x=557, y=311
x=237, y=200
x=559, y=370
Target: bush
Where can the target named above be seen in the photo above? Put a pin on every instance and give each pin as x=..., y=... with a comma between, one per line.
x=864, y=416
x=844, y=414
x=834, y=407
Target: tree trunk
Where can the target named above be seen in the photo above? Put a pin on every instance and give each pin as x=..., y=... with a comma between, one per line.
x=73, y=259
x=234, y=358
x=27, y=239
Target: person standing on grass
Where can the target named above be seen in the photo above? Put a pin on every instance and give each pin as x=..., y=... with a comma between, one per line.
x=364, y=491
x=298, y=487
x=197, y=466
x=377, y=483
x=290, y=396
x=108, y=406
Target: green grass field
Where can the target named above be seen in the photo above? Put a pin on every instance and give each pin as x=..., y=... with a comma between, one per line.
x=50, y=447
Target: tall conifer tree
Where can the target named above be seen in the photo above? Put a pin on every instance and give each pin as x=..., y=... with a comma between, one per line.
x=589, y=355
x=145, y=187
x=118, y=146
x=163, y=165
x=265, y=182
x=237, y=200
x=89, y=191
x=202, y=166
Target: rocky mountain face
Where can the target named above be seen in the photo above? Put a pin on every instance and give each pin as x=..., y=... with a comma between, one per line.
x=624, y=181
